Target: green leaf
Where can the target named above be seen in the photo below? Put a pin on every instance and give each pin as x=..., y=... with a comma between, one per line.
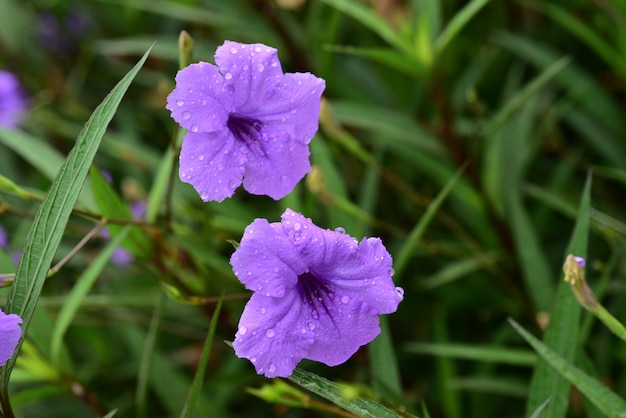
x=47, y=159
x=370, y=19
x=47, y=228
x=605, y=400
x=457, y=23
x=77, y=295
x=486, y=354
x=562, y=333
x=389, y=57
x=332, y=392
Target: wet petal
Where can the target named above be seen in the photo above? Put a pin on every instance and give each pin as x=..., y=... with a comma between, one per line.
x=276, y=166
x=10, y=333
x=293, y=106
x=273, y=334
x=265, y=260
x=341, y=328
x=201, y=101
x=250, y=71
x=212, y=163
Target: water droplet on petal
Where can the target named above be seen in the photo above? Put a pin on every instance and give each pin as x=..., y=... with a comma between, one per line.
x=253, y=359
x=257, y=49
x=400, y=291
x=391, y=271
x=243, y=330
x=297, y=226
x=340, y=230
x=311, y=326
x=263, y=311
x=345, y=299
x=186, y=115
x=270, y=333
x=179, y=103
x=201, y=157
x=260, y=68
x=315, y=315
x=233, y=184
x=271, y=368
x=203, y=102
x=194, y=128
x=233, y=50
x=204, y=195
x=228, y=76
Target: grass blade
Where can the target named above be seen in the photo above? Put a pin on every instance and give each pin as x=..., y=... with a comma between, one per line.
x=52, y=216
x=605, y=400
x=562, y=333
x=457, y=23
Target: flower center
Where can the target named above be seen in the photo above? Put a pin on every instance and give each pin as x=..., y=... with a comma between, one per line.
x=314, y=292
x=247, y=130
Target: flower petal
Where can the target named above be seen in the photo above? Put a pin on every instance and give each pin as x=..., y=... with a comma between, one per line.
x=280, y=165
x=266, y=261
x=212, y=163
x=250, y=71
x=10, y=333
x=340, y=329
x=201, y=101
x=273, y=334
x=293, y=106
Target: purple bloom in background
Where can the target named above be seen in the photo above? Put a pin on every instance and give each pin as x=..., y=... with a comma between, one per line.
x=4, y=239
x=247, y=122
x=62, y=36
x=10, y=333
x=317, y=293
x=12, y=102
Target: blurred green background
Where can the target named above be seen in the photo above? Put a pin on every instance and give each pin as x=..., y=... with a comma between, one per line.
x=525, y=98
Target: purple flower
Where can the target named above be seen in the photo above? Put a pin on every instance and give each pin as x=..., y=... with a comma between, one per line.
x=4, y=239
x=317, y=293
x=10, y=333
x=247, y=122
x=12, y=102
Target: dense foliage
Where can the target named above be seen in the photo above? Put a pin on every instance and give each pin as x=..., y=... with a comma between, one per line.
x=482, y=141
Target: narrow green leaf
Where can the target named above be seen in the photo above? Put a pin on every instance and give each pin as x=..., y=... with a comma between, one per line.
x=46, y=159
x=198, y=380
x=419, y=229
x=487, y=354
x=331, y=391
x=77, y=295
x=522, y=96
x=366, y=16
x=562, y=333
x=605, y=400
x=537, y=412
x=389, y=57
x=47, y=229
x=113, y=207
x=457, y=23
x=384, y=363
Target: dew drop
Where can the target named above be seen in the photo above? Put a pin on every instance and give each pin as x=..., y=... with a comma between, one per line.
x=182, y=174
x=400, y=291
x=315, y=315
x=311, y=326
x=271, y=368
x=201, y=157
x=204, y=196
x=243, y=330
x=257, y=49
x=340, y=230
x=303, y=330
x=203, y=102
x=179, y=103
x=260, y=68
x=345, y=299
x=297, y=226
x=331, y=295
x=233, y=50
x=274, y=63
x=228, y=76
x=263, y=311
x=391, y=271
x=253, y=359
x=233, y=184
x=270, y=333
x=194, y=128
x=186, y=115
